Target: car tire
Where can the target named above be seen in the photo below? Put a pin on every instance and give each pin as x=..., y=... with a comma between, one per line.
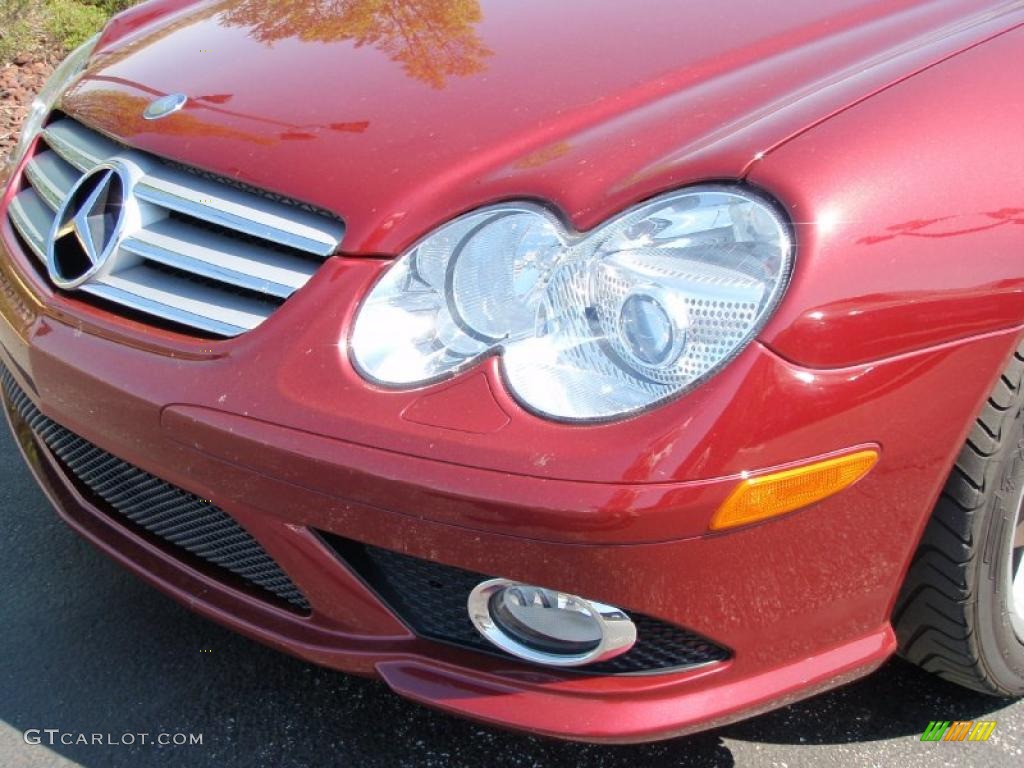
x=957, y=615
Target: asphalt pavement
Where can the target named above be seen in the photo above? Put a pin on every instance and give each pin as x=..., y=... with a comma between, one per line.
x=86, y=649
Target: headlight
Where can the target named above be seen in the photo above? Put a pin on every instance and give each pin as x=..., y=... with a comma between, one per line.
x=61, y=78
x=588, y=326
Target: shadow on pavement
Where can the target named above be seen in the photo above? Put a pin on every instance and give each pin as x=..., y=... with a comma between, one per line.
x=897, y=700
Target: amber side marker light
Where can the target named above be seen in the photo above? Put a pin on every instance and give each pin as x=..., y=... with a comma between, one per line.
x=766, y=496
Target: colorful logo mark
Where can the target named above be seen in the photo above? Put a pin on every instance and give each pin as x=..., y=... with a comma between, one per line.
x=958, y=730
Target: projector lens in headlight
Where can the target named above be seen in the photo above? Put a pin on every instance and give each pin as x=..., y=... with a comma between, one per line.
x=588, y=326
x=652, y=327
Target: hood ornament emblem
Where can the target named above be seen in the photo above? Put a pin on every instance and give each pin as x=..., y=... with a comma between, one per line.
x=165, y=106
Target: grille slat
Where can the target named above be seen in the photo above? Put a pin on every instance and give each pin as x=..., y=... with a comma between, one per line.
x=205, y=253
x=181, y=300
x=79, y=146
x=235, y=209
x=431, y=598
x=33, y=219
x=52, y=177
x=165, y=511
x=215, y=256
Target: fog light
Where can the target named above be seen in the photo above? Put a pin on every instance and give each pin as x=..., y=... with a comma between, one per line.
x=549, y=627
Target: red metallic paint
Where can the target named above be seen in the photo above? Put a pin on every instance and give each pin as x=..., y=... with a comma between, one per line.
x=832, y=108
x=938, y=256
x=588, y=106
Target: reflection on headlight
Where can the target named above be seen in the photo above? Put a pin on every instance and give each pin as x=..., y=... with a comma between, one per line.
x=588, y=326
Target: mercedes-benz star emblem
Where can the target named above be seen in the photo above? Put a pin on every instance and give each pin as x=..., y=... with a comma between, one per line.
x=88, y=227
x=165, y=106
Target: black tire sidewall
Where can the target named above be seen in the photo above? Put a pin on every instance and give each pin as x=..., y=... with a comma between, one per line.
x=1000, y=650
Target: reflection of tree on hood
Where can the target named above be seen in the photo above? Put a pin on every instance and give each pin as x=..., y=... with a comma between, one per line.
x=121, y=115
x=432, y=39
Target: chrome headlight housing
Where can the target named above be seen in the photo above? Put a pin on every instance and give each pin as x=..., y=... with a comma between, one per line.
x=589, y=326
x=59, y=81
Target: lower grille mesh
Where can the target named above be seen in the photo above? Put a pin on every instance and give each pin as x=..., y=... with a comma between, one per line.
x=168, y=512
x=431, y=599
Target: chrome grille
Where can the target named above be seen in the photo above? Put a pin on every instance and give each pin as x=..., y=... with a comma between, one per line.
x=209, y=254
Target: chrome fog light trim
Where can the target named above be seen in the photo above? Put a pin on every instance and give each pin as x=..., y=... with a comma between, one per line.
x=548, y=627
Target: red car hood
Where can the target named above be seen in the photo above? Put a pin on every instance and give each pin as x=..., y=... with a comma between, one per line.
x=397, y=114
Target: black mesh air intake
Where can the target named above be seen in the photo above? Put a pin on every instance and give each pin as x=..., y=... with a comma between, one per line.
x=168, y=512
x=431, y=599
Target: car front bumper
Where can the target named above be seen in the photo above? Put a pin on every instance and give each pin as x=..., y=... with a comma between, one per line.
x=802, y=603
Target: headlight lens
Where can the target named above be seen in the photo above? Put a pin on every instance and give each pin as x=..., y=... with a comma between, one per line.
x=589, y=326
x=44, y=101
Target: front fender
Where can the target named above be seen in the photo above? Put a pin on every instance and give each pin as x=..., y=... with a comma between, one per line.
x=908, y=211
